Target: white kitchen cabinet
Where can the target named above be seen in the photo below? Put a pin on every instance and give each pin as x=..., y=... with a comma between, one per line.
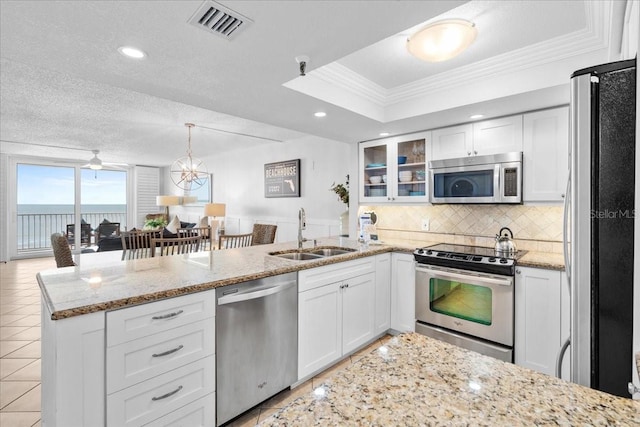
x=196, y=414
x=383, y=294
x=541, y=302
x=69, y=348
x=161, y=395
x=545, y=153
x=503, y=135
x=336, y=312
x=319, y=328
x=403, y=292
x=385, y=178
x=451, y=142
x=358, y=311
x=160, y=357
x=124, y=358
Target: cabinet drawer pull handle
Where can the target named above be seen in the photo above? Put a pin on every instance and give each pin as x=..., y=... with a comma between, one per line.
x=167, y=316
x=164, y=396
x=168, y=352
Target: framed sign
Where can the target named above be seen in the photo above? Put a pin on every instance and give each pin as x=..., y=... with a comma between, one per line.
x=282, y=179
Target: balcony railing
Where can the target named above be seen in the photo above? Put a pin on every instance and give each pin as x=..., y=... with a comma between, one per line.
x=34, y=230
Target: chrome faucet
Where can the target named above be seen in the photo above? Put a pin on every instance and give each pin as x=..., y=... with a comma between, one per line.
x=302, y=225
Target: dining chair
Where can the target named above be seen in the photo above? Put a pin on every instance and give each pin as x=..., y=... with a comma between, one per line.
x=263, y=234
x=85, y=234
x=137, y=243
x=205, y=232
x=175, y=246
x=105, y=229
x=61, y=250
x=229, y=241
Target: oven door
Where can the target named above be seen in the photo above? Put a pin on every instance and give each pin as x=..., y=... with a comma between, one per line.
x=476, y=304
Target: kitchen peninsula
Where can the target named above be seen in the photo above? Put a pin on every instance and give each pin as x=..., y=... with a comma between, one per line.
x=93, y=322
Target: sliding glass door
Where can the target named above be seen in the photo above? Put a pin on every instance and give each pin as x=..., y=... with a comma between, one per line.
x=66, y=199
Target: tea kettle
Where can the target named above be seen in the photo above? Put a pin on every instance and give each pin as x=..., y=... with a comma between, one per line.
x=504, y=243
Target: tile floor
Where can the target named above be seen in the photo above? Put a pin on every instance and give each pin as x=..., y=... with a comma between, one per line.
x=20, y=342
x=20, y=351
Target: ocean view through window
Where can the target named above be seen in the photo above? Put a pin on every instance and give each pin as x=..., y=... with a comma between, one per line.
x=45, y=203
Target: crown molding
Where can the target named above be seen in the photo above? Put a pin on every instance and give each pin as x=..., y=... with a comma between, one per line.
x=344, y=78
x=592, y=38
x=368, y=96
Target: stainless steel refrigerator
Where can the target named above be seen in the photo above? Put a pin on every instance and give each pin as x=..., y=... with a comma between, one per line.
x=599, y=220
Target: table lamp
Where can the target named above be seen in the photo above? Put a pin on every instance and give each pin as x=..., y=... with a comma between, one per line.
x=167, y=201
x=215, y=210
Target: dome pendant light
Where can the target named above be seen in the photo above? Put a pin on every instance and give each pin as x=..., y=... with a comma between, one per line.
x=442, y=40
x=189, y=173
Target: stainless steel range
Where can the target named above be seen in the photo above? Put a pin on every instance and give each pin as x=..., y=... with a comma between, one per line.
x=465, y=296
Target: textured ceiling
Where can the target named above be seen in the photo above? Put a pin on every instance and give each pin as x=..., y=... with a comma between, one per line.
x=63, y=84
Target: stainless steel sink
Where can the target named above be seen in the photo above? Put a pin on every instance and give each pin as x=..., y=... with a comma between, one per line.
x=298, y=256
x=310, y=254
x=332, y=251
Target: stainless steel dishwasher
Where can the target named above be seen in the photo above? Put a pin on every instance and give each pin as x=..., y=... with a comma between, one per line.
x=256, y=342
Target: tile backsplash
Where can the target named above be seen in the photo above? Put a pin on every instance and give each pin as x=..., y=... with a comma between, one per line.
x=536, y=228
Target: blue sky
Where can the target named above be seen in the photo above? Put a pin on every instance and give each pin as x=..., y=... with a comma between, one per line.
x=54, y=185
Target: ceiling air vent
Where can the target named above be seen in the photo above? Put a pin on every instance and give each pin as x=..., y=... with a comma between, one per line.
x=217, y=19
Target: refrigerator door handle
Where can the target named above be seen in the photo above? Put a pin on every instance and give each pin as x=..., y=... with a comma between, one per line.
x=565, y=233
x=560, y=357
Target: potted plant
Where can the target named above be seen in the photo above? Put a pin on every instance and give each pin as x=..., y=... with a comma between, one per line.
x=154, y=224
x=342, y=190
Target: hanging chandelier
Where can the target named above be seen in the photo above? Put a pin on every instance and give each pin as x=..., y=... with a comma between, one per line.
x=189, y=173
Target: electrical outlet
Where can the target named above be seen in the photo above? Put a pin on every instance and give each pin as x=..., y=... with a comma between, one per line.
x=425, y=224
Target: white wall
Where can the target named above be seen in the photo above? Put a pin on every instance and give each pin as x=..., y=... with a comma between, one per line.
x=239, y=183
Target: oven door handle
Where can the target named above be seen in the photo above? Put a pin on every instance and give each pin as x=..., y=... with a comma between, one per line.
x=507, y=281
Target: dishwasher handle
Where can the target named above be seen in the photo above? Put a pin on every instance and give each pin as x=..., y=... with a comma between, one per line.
x=247, y=296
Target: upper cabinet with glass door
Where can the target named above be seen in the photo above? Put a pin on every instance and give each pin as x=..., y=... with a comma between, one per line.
x=394, y=169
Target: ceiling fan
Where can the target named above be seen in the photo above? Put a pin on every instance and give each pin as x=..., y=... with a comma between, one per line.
x=95, y=163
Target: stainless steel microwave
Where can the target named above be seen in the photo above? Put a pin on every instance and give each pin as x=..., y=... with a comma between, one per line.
x=477, y=179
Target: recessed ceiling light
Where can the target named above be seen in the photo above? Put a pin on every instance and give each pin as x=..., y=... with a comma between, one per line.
x=131, y=52
x=442, y=40
x=384, y=133
x=476, y=116
x=320, y=114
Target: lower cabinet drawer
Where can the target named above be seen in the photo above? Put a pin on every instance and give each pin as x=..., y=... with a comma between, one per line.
x=201, y=413
x=139, y=360
x=132, y=323
x=149, y=400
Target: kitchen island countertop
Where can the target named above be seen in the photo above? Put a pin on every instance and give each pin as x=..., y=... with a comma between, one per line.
x=102, y=281
x=415, y=380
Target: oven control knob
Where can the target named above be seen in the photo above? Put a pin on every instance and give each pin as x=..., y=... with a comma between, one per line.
x=420, y=251
x=429, y=252
x=492, y=259
x=503, y=260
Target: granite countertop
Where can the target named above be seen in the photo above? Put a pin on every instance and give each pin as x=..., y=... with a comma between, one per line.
x=546, y=260
x=414, y=380
x=102, y=281
x=534, y=259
